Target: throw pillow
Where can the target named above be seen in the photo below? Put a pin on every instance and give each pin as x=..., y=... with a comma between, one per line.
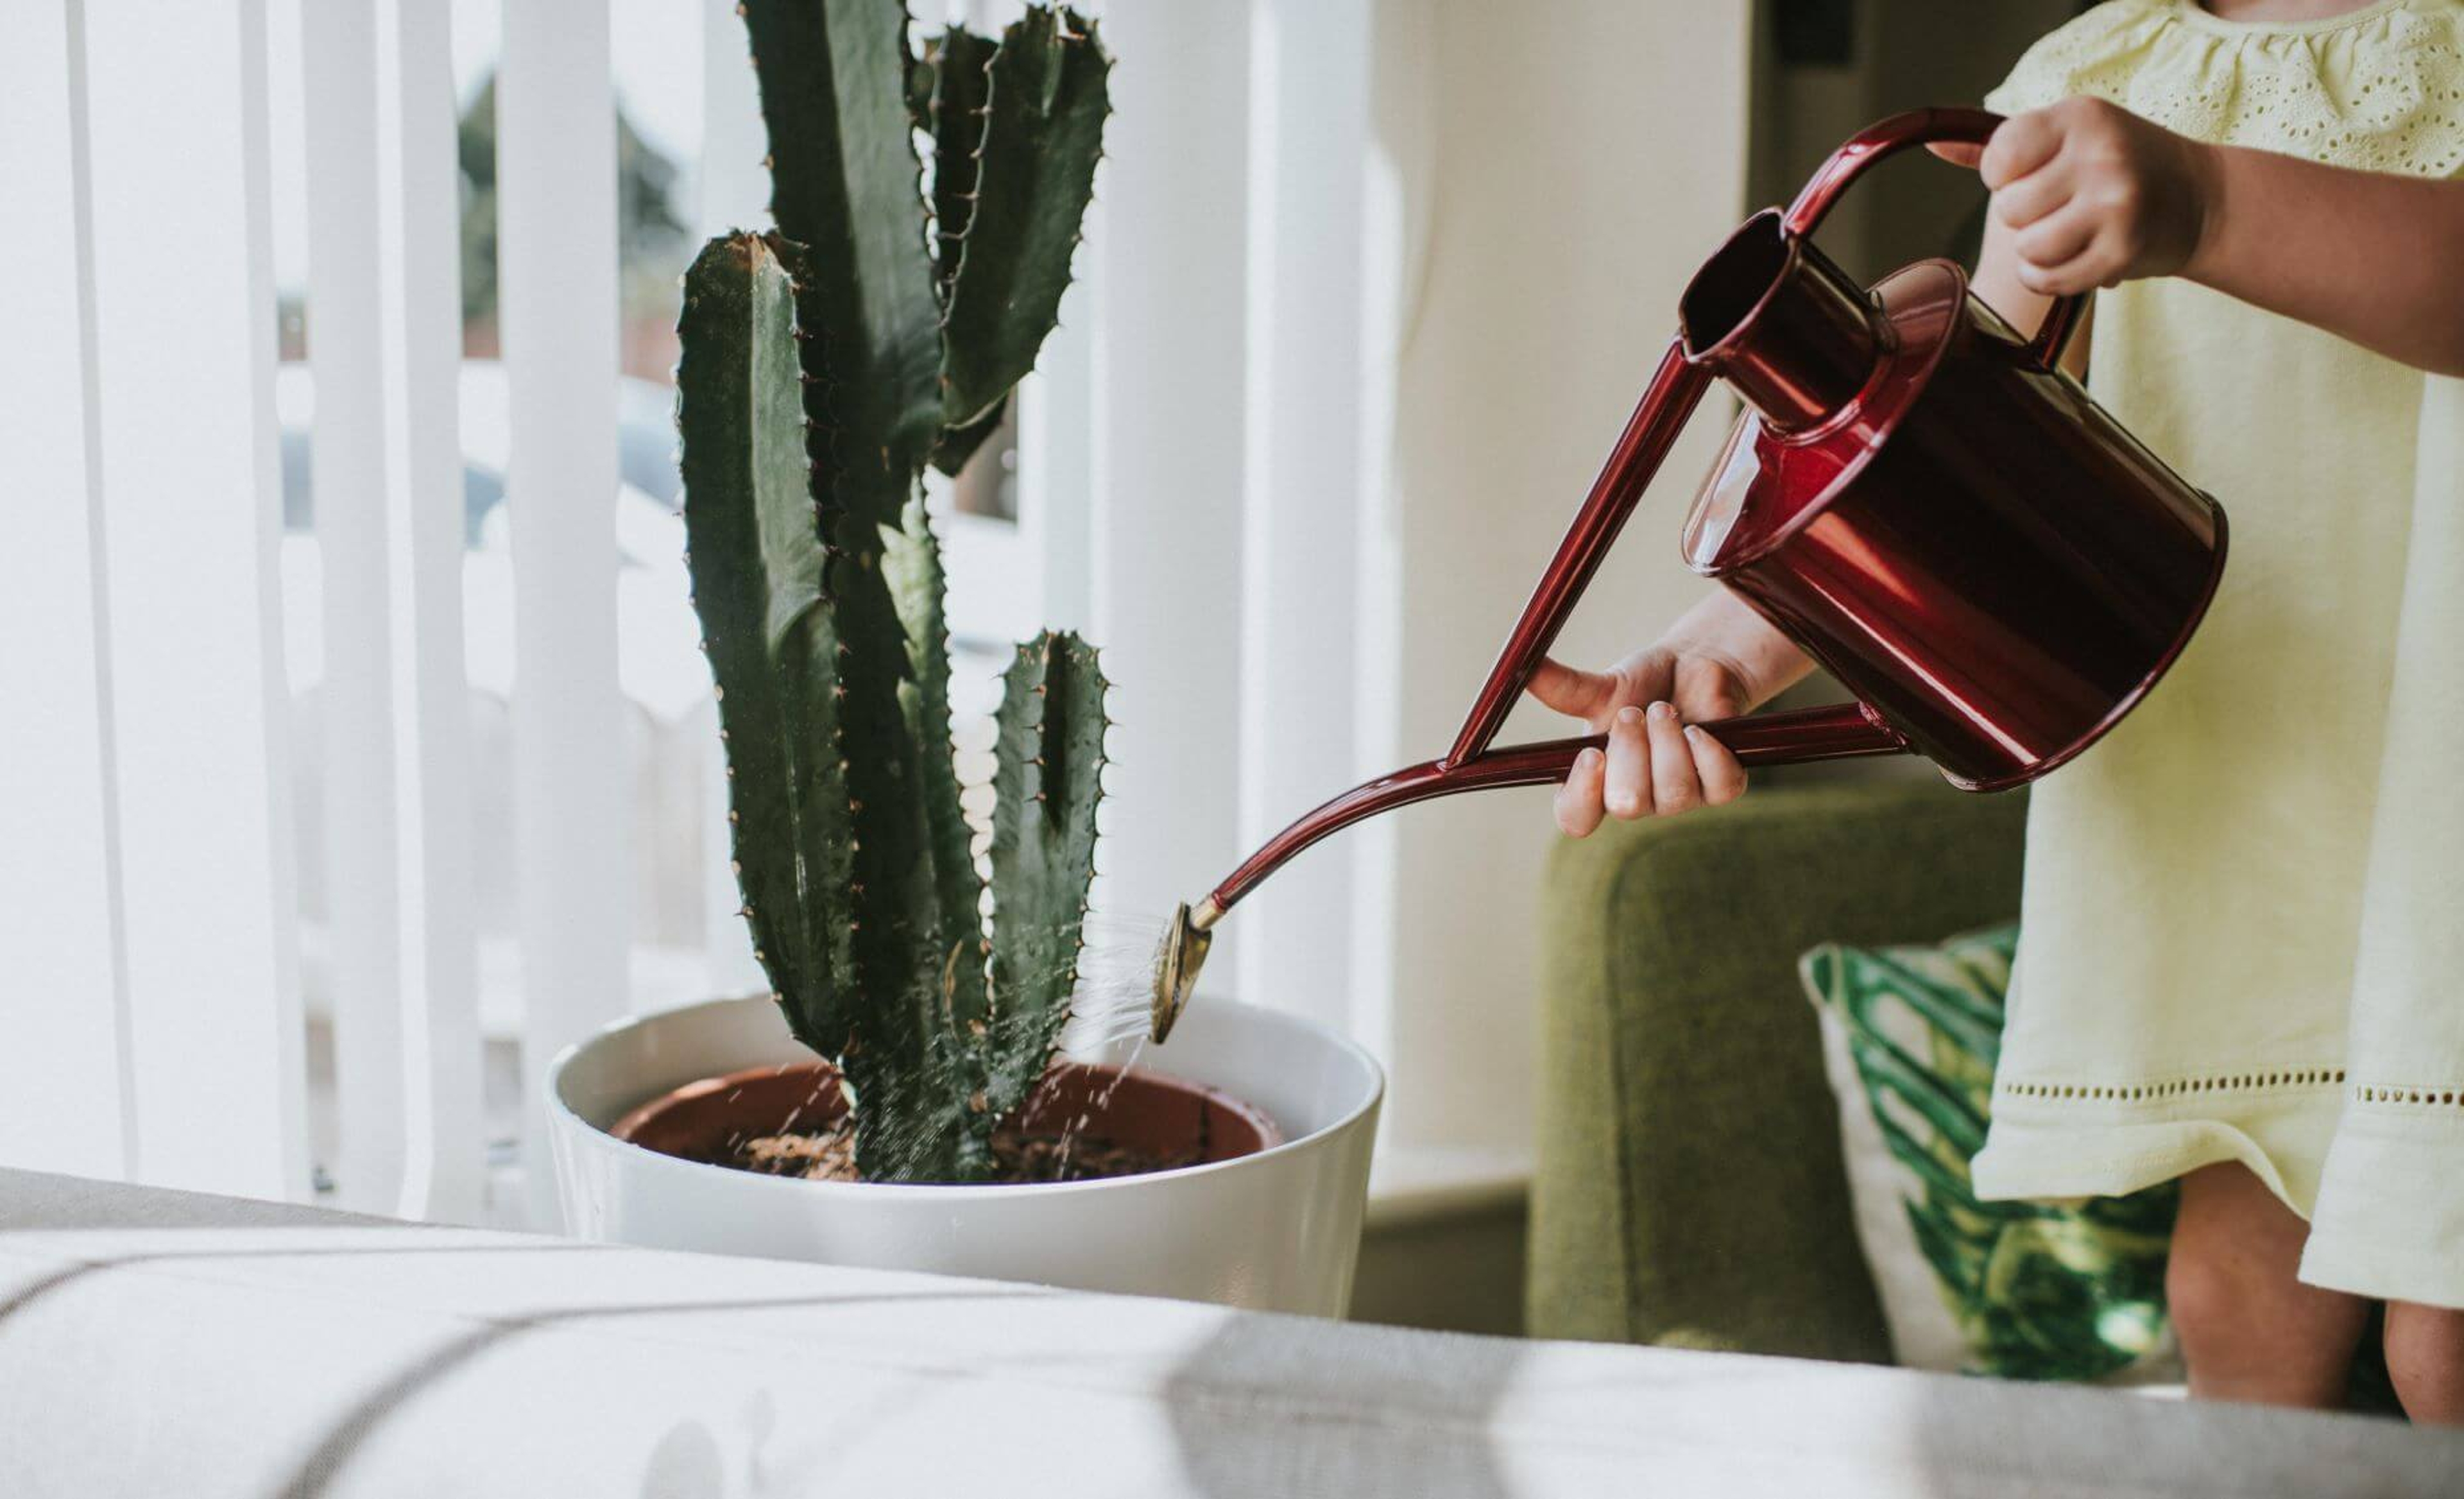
x=2030, y=1290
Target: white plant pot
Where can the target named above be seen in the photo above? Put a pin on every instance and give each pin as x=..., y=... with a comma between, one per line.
x=1277, y=1231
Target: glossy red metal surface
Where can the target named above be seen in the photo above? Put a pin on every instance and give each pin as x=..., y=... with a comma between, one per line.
x=1915, y=496
x=1980, y=553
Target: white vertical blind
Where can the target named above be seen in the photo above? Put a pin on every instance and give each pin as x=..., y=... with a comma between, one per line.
x=182, y=355
x=63, y=1028
x=1056, y=478
x=420, y=199
x=337, y=43
x=555, y=171
x=1168, y=366
x=1309, y=83
x=735, y=187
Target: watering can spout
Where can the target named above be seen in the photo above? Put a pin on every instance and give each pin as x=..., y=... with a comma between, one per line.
x=1992, y=567
x=1186, y=944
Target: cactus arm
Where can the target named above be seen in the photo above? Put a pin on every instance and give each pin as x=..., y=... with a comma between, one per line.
x=755, y=564
x=953, y=112
x=1049, y=773
x=913, y=1072
x=845, y=182
x=921, y=1085
x=961, y=86
x=1043, y=135
x=900, y=950
x=913, y=565
x=896, y=927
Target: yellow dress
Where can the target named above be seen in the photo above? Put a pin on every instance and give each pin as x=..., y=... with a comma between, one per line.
x=2242, y=935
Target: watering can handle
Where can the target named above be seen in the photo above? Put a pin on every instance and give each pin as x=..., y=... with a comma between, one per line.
x=1888, y=138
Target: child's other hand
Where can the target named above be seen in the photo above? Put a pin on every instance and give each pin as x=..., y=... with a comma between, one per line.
x=1654, y=766
x=2091, y=195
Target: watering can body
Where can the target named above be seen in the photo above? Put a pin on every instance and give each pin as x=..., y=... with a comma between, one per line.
x=1923, y=502
x=1915, y=494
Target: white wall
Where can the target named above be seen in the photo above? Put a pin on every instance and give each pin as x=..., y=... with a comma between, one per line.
x=1570, y=165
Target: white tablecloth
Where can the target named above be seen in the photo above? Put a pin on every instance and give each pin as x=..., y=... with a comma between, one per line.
x=181, y=1347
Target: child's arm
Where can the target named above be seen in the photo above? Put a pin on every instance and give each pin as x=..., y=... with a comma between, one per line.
x=1997, y=285
x=2086, y=194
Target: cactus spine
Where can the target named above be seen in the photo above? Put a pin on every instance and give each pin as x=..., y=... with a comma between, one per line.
x=823, y=366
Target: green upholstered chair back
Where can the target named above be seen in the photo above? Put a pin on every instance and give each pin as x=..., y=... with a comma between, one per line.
x=1689, y=1189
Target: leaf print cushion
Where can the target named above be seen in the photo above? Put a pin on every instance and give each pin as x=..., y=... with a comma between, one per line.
x=2026, y=1290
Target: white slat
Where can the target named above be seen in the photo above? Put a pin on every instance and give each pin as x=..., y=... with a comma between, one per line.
x=1056, y=448
x=1309, y=87
x=1168, y=487
x=420, y=202
x=348, y=446
x=184, y=338
x=735, y=188
x=556, y=171
x=65, y=1098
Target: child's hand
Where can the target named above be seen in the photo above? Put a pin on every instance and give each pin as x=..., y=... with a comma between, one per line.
x=1653, y=766
x=2091, y=195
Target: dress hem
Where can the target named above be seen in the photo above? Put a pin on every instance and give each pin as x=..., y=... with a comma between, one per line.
x=2076, y=1164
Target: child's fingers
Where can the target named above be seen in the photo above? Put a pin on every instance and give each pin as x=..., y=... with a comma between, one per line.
x=2060, y=239
x=1723, y=780
x=2099, y=264
x=1580, y=694
x=1959, y=153
x=1578, y=796
x=2032, y=197
x=1675, y=785
x=2023, y=143
x=1627, y=789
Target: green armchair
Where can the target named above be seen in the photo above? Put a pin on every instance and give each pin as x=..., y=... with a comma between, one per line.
x=1688, y=1190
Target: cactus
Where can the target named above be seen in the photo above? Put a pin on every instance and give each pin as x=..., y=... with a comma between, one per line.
x=823, y=366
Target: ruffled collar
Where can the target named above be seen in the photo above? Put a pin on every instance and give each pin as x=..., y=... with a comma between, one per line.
x=2192, y=14
x=2379, y=88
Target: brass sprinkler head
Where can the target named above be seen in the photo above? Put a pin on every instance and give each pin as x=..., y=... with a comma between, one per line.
x=1184, y=952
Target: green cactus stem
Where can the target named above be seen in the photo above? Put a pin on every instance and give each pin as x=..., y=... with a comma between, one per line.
x=1045, y=100
x=845, y=183
x=913, y=565
x=1047, y=779
x=757, y=564
x=952, y=110
x=822, y=368
x=962, y=67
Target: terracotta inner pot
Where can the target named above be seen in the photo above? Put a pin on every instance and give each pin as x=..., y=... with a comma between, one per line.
x=1163, y=1116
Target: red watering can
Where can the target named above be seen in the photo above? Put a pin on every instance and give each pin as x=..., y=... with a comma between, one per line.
x=1915, y=496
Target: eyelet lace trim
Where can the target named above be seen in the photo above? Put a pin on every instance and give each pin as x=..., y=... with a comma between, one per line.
x=2448, y=1097
x=2163, y=1088
x=2382, y=90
